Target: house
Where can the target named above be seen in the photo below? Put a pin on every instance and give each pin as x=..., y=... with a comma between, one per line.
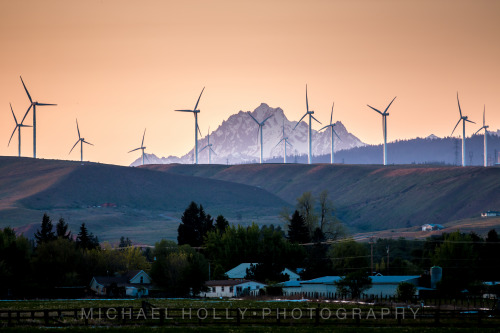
x=232, y=288
x=432, y=227
x=325, y=286
x=490, y=213
x=132, y=283
x=240, y=272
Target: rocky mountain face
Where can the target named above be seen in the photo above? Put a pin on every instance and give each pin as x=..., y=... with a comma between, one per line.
x=236, y=140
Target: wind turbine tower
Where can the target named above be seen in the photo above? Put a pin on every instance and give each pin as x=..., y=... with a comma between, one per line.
x=209, y=146
x=82, y=141
x=195, y=111
x=34, y=104
x=332, y=131
x=384, y=126
x=485, y=127
x=462, y=119
x=309, y=137
x=285, y=142
x=141, y=147
x=18, y=128
x=261, y=125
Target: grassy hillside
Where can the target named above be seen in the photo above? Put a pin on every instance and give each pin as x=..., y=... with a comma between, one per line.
x=148, y=203
x=372, y=197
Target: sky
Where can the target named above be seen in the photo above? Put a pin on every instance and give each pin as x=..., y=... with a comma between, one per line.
x=122, y=66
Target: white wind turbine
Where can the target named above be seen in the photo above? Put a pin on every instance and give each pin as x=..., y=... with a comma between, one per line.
x=196, y=128
x=485, y=127
x=384, y=127
x=285, y=142
x=18, y=128
x=209, y=146
x=309, y=137
x=82, y=141
x=462, y=119
x=332, y=131
x=141, y=148
x=261, y=125
x=34, y=105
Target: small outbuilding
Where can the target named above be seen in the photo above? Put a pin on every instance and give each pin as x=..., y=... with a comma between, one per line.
x=133, y=283
x=232, y=288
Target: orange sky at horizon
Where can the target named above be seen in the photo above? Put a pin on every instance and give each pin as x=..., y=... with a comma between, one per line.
x=121, y=66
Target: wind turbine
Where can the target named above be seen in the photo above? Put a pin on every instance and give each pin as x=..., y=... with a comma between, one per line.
x=384, y=126
x=18, y=128
x=141, y=147
x=82, y=141
x=285, y=142
x=196, y=127
x=462, y=119
x=34, y=105
x=332, y=131
x=209, y=146
x=309, y=141
x=485, y=127
x=261, y=124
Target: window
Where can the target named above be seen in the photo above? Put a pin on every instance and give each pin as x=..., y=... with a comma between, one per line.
x=231, y=289
x=142, y=279
x=222, y=288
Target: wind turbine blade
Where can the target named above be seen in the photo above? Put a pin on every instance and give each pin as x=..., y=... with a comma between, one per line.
x=21, y=125
x=143, y=135
x=184, y=110
x=278, y=143
x=198, y=101
x=15, y=119
x=78, y=129
x=73, y=147
x=307, y=102
x=322, y=128
x=387, y=108
x=213, y=151
x=202, y=149
x=456, y=126
x=45, y=104
x=331, y=116
x=286, y=141
x=336, y=134
x=299, y=121
x=266, y=119
x=29, y=96
x=12, y=134
x=316, y=119
x=374, y=109
x=459, y=109
x=27, y=111
x=135, y=149
x=199, y=131
x=88, y=143
x=253, y=118
x=484, y=119
x=147, y=158
x=479, y=130
x=470, y=121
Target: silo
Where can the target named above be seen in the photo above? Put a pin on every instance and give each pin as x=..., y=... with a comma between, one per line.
x=436, y=275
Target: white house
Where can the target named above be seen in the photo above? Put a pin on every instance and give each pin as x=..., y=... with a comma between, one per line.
x=134, y=283
x=325, y=286
x=240, y=272
x=232, y=288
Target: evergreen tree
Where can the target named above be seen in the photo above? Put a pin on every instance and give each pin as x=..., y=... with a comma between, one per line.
x=298, y=232
x=62, y=229
x=194, y=226
x=45, y=234
x=86, y=240
x=354, y=283
x=125, y=242
x=221, y=224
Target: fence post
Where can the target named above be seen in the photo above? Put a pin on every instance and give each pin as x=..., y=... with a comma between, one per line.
x=238, y=319
x=316, y=319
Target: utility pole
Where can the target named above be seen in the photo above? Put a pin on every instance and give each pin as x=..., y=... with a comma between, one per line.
x=371, y=246
x=387, y=259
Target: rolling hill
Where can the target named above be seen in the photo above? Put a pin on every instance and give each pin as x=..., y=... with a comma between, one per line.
x=371, y=197
x=143, y=204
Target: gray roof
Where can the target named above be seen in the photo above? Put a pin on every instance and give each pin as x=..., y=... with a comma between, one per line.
x=390, y=279
x=240, y=271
